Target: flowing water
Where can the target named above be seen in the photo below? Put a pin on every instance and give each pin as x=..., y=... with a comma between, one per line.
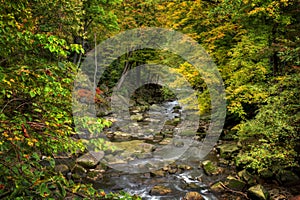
x=179, y=182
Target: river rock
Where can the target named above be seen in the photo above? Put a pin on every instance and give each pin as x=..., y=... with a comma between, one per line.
x=159, y=173
x=258, y=192
x=166, y=141
x=173, y=122
x=193, y=196
x=228, y=150
x=217, y=187
x=62, y=168
x=160, y=190
x=210, y=168
x=121, y=135
x=115, y=160
x=234, y=183
x=155, y=107
x=90, y=159
x=184, y=167
x=137, y=117
x=134, y=148
x=95, y=175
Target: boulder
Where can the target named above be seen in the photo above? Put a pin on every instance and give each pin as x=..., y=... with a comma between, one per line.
x=159, y=173
x=115, y=160
x=62, y=168
x=155, y=107
x=129, y=150
x=121, y=135
x=258, y=192
x=193, y=196
x=160, y=190
x=90, y=159
x=228, y=150
x=137, y=117
x=165, y=141
x=173, y=122
x=234, y=183
x=210, y=168
x=185, y=167
x=95, y=175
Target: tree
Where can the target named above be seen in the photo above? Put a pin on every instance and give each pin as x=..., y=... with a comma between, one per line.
x=36, y=78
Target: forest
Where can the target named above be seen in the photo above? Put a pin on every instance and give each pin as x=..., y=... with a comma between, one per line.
x=44, y=46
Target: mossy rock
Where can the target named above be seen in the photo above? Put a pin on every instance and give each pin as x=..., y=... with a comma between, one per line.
x=228, y=150
x=234, y=183
x=210, y=168
x=266, y=174
x=174, y=122
x=258, y=192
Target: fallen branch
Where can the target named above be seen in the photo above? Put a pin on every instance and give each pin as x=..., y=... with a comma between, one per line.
x=234, y=191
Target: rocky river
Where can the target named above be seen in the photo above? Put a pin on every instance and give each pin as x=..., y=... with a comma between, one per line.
x=150, y=160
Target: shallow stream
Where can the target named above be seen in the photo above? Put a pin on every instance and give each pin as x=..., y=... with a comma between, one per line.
x=178, y=182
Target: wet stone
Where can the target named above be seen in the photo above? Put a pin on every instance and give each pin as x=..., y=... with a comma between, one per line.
x=160, y=190
x=91, y=159
x=166, y=141
x=210, y=168
x=121, y=135
x=137, y=117
x=159, y=173
x=193, y=196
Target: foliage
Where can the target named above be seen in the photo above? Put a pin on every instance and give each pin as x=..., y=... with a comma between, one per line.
x=36, y=79
x=254, y=43
x=275, y=129
x=256, y=47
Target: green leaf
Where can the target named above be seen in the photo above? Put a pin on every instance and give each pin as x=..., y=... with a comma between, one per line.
x=32, y=93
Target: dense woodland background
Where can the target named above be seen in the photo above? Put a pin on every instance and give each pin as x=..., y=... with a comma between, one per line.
x=254, y=43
